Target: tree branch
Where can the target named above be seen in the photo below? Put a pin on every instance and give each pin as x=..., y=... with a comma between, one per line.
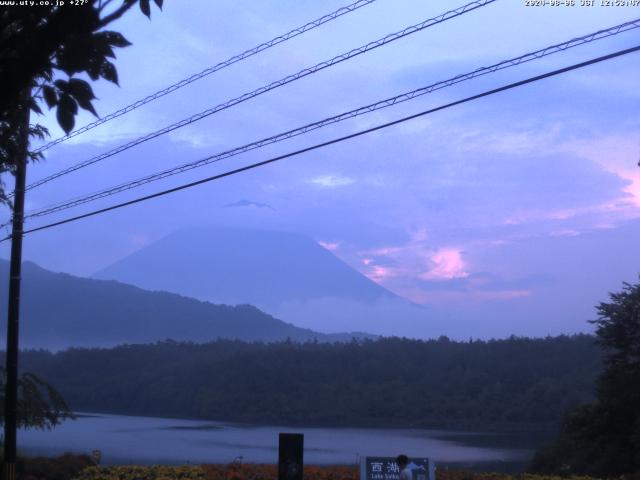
x=126, y=5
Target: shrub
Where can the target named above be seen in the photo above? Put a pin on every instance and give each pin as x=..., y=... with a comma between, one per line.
x=64, y=467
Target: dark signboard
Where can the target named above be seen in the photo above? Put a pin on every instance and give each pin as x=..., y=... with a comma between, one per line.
x=290, y=456
x=386, y=468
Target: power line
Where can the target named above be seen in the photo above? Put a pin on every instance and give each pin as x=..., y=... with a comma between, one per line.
x=208, y=71
x=336, y=140
x=604, y=33
x=264, y=89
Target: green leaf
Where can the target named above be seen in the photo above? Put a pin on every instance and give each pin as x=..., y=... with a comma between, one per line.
x=61, y=84
x=105, y=49
x=65, y=119
x=80, y=89
x=82, y=93
x=67, y=109
x=88, y=106
x=38, y=131
x=50, y=96
x=94, y=69
x=102, y=45
x=76, y=54
x=145, y=8
x=115, y=39
x=108, y=72
x=35, y=107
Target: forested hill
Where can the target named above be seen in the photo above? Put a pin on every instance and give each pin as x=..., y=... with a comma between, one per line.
x=61, y=310
x=389, y=382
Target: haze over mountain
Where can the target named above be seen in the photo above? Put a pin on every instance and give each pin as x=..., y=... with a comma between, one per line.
x=60, y=310
x=288, y=275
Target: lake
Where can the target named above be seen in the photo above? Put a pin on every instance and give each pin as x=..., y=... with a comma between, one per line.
x=145, y=440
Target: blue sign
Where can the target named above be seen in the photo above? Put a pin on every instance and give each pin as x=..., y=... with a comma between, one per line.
x=386, y=468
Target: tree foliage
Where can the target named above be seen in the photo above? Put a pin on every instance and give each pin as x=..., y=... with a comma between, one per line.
x=40, y=405
x=44, y=53
x=388, y=382
x=603, y=438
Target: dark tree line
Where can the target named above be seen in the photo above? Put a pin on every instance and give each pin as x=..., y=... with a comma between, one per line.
x=389, y=382
x=602, y=438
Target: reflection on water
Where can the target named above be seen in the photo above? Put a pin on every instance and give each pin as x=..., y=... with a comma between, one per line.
x=125, y=439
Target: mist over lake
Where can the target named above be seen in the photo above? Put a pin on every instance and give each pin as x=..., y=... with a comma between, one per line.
x=145, y=440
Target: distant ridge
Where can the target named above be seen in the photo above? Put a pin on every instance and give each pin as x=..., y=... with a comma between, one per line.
x=60, y=310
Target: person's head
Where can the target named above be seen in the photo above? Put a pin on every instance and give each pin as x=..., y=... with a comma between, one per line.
x=402, y=461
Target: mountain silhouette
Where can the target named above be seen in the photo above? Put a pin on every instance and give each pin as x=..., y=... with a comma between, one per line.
x=60, y=310
x=237, y=266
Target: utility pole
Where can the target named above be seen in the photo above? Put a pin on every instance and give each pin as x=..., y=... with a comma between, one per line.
x=11, y=387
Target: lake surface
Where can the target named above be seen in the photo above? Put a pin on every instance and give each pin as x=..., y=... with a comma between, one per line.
x=144, y=440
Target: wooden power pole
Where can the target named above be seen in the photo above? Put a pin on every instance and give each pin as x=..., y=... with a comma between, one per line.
x=11, y=387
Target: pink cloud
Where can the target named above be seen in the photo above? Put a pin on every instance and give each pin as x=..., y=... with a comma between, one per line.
x=625, y=207
x=379, y=273
x=565, y=233
x=331, y=246
x=604, y=226
x=616, y=154
x=395, y=266
x=633, y=187
x=403, y=268
x=447, y=265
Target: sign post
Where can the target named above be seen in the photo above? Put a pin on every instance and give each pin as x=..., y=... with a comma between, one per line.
x=290, y=456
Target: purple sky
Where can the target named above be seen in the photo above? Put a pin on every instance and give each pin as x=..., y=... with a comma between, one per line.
x=516, y=213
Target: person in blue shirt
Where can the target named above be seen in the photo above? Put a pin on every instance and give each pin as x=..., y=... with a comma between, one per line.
x=405, y=471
